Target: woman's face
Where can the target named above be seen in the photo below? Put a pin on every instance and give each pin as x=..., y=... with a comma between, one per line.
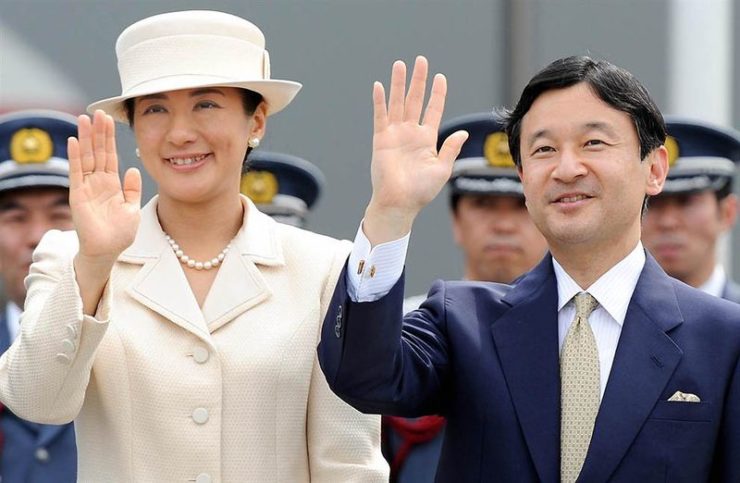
x=192, y=142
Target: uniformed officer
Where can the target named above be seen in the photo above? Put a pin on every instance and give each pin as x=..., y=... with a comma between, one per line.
x=34, y=198
x=282, y=186
x=684, y=223
x=499, y=241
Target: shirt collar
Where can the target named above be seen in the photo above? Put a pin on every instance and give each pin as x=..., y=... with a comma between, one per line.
x=13, y=320
x=613, y=290
x=716, y=283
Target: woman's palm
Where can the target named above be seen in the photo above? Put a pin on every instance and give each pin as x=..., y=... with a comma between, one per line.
x=106, y=215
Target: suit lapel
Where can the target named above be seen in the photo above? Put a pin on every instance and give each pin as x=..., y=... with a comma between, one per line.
x=646, y=358
x=239, y=285
x=526, y=339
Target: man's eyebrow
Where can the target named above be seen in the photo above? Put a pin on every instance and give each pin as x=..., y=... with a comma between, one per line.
x=10, y=204
x=541, y=133
x=600, y=126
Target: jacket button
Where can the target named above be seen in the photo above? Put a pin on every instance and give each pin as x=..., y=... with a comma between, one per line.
x=64, y=358
x=200, y=415
x=42, y=455
x=68, y=346
x=200, y=354
x=203, y=478
x=338, y=324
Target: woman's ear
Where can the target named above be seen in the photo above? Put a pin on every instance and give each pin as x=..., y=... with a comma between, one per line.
x=258, y=122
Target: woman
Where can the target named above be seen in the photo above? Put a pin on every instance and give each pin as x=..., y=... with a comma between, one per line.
x=181, y=336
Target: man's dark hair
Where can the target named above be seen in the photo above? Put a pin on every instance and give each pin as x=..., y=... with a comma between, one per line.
x=613, y=85
x=454, y=201
x=725, y=191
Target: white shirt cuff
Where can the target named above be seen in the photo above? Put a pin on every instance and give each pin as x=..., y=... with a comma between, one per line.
x=373, y=271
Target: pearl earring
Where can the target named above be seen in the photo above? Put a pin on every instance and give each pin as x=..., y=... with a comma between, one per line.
x=138, y=153
x=254, y=143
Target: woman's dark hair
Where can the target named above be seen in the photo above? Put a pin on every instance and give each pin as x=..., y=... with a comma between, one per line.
x=613, y=85
x=250, y=101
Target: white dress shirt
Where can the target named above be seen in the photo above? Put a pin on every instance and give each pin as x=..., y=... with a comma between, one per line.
x=372, y=272
x=716, y=283
x=13, y=320
x=613, y=291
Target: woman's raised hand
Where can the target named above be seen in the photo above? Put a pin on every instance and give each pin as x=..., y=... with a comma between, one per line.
x=407, y=170
x=105, y=214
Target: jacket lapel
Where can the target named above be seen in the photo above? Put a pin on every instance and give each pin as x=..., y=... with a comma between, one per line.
x=526, y=339
x=646, y=358
x=239, y=285
x=161, y=285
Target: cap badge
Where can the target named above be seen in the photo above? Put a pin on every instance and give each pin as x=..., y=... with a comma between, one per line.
x=31, y=145
x=259, y=186
x=671, y=146
x=496, y=150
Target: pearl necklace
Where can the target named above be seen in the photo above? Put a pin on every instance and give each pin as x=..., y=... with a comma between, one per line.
x=190, y=263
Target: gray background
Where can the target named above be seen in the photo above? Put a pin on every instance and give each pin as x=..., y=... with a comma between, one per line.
x=487, y=48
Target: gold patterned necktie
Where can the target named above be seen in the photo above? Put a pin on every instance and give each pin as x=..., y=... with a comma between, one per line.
x=580, y=390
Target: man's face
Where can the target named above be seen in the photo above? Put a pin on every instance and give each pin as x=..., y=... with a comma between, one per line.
x=582, y=174
x=497, y=236
x=25, y=215
x=682, y=230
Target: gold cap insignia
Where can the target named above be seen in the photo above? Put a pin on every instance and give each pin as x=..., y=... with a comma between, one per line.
x=673, y=151
x=259, y=186
x=31, y=145
x=496, y=150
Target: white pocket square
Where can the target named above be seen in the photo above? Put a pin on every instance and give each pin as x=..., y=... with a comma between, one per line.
x=679, y=396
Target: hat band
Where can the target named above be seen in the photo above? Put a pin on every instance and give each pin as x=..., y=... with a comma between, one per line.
x=53, y=165
x=694, y=184
x=284, y=204
x=192, y=55
x=34, y=181
x=482, y=185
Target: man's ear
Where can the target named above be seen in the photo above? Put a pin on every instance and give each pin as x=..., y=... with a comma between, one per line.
x=728, y=211
x=657, y=162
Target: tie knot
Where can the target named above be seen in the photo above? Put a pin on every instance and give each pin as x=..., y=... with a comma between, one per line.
x=585, y=304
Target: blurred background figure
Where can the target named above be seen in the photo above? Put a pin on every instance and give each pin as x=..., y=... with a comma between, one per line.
x=283, y=186
x=499, y=242
x=684, y=224
x=34, y=192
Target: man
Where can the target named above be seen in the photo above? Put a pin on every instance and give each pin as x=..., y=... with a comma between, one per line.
x=596, y=365
x=282, y=186
x=684, y=223
x=499, y=241
x=34, y=193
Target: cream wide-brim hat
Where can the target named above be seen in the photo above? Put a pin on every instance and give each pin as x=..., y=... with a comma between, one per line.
x=190, y=49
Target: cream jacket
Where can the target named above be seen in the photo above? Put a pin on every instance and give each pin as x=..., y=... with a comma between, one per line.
x=164, y=391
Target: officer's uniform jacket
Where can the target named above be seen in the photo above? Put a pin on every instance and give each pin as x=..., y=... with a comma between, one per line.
x=163, y=390
x=731, y=291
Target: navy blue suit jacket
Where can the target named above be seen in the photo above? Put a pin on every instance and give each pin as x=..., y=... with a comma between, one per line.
x=34, y=453
x=486, y=356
